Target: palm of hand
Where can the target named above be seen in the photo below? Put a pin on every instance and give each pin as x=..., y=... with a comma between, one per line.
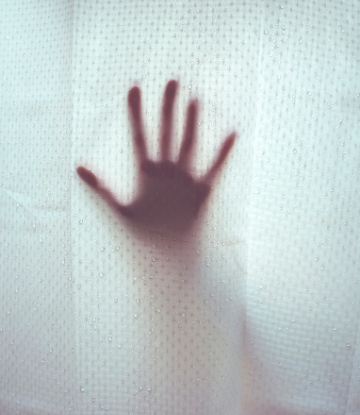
x=169, y=198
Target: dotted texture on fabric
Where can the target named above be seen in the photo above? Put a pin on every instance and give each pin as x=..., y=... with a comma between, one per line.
x=260, y=314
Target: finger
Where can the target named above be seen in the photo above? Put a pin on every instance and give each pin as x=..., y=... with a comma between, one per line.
x=189, y=134
x=134, y=101
x=88, y=177
x=224, y=151
x=167, y=117
x=91, y=180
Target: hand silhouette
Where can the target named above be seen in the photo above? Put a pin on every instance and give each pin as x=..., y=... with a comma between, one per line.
x=169, y=198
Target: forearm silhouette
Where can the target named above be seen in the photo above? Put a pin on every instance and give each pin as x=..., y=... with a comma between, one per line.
x=169, y=198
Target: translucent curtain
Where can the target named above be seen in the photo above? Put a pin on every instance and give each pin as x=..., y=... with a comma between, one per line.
x=260, y=312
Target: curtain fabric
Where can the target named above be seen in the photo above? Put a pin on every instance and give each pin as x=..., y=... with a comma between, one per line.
x=261, y=314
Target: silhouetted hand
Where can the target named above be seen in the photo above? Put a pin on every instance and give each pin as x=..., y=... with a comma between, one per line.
x=169, y=198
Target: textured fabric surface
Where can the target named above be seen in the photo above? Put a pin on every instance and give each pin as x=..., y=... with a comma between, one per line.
x=262, y=316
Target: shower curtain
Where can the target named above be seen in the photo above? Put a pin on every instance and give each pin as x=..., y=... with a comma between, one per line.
x=261, y=315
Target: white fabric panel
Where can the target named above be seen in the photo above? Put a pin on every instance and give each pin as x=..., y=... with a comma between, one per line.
x=264, y=318
x=37, y=332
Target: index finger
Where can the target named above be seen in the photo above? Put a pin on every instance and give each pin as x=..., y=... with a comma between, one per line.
x=134, y=101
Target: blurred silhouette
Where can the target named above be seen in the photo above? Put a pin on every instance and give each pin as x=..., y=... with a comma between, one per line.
x=169, y=198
